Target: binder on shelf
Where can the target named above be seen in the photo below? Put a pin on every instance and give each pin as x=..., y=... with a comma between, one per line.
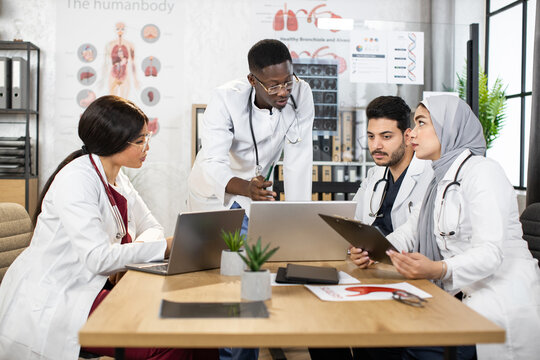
x=281, y=196
x=336, y=142
x=316, y=148
x=353, y=177
x=280, y=172
x=5, y=83
x=326, y=177
x=348, y=136
x=326, y=148
x=339, y=176
x=315, y=178
x=18, y=83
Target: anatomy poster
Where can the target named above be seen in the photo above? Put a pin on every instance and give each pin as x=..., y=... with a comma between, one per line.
x=129, y=49
x=134, y=49
x=394, y=57
x=295, y=24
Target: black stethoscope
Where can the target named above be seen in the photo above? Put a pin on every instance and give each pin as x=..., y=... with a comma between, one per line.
x=258, y=167
x=386, y=180
x=443, y=200
x=116, y=213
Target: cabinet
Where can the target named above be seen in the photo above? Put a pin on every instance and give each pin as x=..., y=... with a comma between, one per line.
x=339, y=150
x=19, y=123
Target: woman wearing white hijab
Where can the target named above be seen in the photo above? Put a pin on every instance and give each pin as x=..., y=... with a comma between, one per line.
x=468, y=237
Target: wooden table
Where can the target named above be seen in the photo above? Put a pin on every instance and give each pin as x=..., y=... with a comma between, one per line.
x=129, y=316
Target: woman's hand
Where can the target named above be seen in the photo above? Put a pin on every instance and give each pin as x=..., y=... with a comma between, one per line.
x=115, y=278
x=360, y=257
x=415, y=265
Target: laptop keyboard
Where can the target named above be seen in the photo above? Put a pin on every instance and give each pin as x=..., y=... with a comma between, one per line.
x=161, y=267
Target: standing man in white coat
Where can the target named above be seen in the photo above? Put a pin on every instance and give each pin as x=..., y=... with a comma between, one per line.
x=246, y=126
x=397, y=185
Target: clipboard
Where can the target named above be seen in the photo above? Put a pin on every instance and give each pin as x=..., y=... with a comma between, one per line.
x=361, y=236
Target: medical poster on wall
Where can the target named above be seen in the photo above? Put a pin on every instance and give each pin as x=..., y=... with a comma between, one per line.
x=129, y=49
x=394, y=57
x=296, y=25
x=133, y=49
x=368, y=57
x=406, y=57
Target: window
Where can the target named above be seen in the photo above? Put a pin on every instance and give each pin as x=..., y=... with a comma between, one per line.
x=509, y=46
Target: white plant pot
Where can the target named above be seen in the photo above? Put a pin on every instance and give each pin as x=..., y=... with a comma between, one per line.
x=256, y=285
x=231, y=263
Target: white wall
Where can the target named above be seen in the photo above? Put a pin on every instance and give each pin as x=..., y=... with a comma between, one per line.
x=216, y=39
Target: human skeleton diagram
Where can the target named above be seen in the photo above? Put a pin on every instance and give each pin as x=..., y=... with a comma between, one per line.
x=120, y=64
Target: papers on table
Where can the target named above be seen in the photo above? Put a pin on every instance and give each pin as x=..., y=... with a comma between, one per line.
x=344, y=279
x=362, y=292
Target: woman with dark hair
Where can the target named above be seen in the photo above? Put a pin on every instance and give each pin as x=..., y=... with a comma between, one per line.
x=91, y=223
x=467, y=236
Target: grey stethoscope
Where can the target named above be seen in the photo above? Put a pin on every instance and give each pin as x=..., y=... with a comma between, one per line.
x=443, y=200
x=258, y=167
x=386, y=180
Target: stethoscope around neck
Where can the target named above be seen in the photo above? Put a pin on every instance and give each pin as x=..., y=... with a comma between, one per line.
x=258, y=167
x=386, y=180
x=121, y=228
x=443, y=200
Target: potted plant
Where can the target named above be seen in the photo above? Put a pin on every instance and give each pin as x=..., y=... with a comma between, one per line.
x=256, y=282
x=231, y=263
x=491, y=104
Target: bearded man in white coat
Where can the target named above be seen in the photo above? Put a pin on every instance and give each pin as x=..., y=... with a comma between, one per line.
x=396, y=186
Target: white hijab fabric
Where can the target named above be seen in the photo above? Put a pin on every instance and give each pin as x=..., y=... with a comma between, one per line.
x=458, y=129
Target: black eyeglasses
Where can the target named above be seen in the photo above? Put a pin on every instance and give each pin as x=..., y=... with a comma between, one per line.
x=273, y=90
x=407, y=298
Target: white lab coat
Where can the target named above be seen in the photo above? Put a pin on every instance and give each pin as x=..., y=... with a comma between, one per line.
x=228, y=150
x=46, y=294
x=487, y=258
x=410, y=196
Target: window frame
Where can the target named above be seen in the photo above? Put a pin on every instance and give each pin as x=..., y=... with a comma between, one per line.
x=522, y=95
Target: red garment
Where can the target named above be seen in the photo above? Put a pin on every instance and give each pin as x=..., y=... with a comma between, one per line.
x=121, y=203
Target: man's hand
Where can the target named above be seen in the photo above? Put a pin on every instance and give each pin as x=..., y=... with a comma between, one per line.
x=415, y=265
x=257, y=189
x=360, y=257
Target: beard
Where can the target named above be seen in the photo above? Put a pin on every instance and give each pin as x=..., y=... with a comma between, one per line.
x=395, y=157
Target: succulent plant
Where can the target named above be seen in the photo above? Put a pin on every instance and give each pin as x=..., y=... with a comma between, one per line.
x=256, y=256
x=233, y=240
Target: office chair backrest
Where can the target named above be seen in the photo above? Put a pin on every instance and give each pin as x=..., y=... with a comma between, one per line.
x=530, y=222
x=15, y=233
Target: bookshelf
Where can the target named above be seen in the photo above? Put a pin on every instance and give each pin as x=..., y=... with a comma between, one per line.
x=19, y=123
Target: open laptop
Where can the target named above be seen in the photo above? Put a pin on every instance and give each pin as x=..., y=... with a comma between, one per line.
x=197, y=242
x=298, y=230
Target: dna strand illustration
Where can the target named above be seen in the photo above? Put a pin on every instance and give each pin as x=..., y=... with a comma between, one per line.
x=410, y=54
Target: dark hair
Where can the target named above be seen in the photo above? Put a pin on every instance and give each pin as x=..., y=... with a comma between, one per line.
x=267, y=52
x=390, y=107
x=105, y=128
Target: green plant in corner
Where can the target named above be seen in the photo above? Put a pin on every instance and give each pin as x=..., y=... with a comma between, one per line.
x=256, y=256
x=491, y=104
x=234, y=240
